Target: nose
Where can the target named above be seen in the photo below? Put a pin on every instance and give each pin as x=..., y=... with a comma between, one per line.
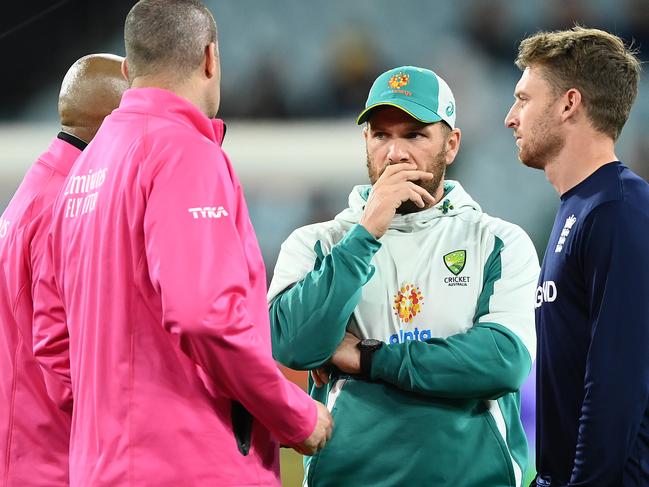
x=398, y=153
x=511, y=120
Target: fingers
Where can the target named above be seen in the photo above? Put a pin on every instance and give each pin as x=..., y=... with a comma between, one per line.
x=397, y=184
x=413, y=175
x=321, y=434
x=399, y=178
x=420, y=196
x=392, y=169
x=302, y=450
x=403, y=191
x=411, y=191
x=322, y=443
x=308, y=450
x=405, y=171
x=316, y=379
x=328, y=425
x=320, y=376
x=323, y=375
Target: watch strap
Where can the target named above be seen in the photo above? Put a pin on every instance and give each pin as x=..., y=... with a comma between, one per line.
x=366, y=362
x=367, y=349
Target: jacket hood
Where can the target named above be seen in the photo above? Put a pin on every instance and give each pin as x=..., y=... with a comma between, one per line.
x=454, y=202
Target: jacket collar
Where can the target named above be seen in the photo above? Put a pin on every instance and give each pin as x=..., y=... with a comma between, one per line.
x=167, y=104
x=60, y=156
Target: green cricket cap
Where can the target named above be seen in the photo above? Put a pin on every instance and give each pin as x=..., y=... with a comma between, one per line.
x=419, y=92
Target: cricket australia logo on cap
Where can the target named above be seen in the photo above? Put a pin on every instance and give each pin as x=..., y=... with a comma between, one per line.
x=407, y=304
x=398, y=81
x=455, y=262
x=570, y=221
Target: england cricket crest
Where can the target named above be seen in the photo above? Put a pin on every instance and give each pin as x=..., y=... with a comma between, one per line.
x=455, y=261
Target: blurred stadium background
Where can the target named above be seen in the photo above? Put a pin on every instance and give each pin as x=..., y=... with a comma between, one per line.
x=295, y=74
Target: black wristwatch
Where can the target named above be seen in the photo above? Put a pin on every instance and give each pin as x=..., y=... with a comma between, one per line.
x=367, y=348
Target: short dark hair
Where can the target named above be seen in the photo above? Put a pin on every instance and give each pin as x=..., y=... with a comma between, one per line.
x=167, y=36
x=595, y=62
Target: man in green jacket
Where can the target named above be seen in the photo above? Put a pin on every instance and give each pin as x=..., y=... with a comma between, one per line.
x=412, y=308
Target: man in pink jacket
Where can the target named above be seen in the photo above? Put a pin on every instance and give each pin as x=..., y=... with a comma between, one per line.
x=160, y=275
x=34, y=432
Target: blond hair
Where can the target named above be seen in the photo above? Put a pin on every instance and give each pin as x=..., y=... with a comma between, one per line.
x=593, y=61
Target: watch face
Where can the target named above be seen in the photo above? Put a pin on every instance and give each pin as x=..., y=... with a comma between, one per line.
x=370, y=343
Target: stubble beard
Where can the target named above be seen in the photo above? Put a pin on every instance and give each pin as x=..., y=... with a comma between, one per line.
x=544, y=144
x=437, y=167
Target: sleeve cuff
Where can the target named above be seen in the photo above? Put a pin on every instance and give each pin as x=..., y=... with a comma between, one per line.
x=307, y=430
x=361, y=243
x=383, y=360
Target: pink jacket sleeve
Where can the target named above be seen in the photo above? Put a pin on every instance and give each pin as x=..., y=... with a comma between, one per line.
x=50, y=334
x=198, y=265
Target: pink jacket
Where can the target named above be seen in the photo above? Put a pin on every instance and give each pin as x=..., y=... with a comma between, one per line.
x=34, y=432
x=163, y=284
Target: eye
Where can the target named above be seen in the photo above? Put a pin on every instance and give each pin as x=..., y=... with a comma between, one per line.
x=415, y=135
x=379, y=135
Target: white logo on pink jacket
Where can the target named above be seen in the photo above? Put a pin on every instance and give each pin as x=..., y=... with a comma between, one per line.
x=82, y=185
x=208, y=212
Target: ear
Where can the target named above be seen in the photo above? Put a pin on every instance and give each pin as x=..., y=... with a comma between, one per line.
x=453, y=145
x=366, y=132
x=571, y=101
x=210, y=63
x=125, y=69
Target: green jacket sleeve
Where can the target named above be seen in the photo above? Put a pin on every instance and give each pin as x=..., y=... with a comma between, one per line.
x=308, y=320
x=495, y=355
x=487, y=362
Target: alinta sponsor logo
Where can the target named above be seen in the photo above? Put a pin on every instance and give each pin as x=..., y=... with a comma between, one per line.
x=407, y=336
x=83, y=192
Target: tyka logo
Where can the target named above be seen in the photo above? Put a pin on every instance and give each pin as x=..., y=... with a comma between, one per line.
x=208, y=212
x=545, y=293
